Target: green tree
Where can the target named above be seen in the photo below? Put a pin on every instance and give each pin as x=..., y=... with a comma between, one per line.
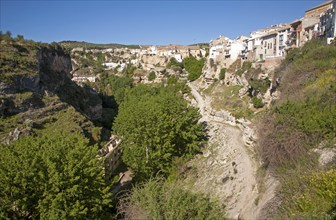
x=173, y=63
x=156, y=125
x=115, y=86
x=194, y=67
x=7, y=35
x=20, y=37
x=56, y=177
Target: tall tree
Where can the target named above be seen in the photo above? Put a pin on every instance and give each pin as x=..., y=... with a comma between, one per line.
x=58, y=177
x=156, y=125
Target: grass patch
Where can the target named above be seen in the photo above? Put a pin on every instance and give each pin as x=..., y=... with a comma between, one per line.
x=227, y=98
x=312, y=196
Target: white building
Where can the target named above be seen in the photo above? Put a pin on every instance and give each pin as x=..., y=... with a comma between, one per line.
x=215, y=51
x=152, y=50
x=178, y=58
x=113, y=65
x=234, y=49
x=282, y=41
x=326, y=26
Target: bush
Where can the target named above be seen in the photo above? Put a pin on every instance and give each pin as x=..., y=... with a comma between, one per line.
x=305, y=115
x=222, y=74
x=260, y=85
x=173, y=63
x=151, y=76
x=172, y=80
x=212, y=62
x=247, y=65
x=312, y=196
x=257, y=102
x=160, y=199
x=129, y=70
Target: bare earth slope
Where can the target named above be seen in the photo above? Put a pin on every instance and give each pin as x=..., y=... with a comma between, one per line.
x=227, y=170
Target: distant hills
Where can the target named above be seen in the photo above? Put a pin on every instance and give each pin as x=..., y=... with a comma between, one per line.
x=88, y=45
x=74, y=44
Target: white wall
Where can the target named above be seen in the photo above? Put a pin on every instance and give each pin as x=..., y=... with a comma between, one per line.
x=236, y=49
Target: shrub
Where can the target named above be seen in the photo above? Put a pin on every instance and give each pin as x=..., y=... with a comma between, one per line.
x=172, y=80
x=151, y=76
x=305, y=115
x=312, y=196
x=257, y=102
x=222, y=74
x=212, y=62
x=173, y=63
x=247, y=65
x=160, y=199
x=129, y=70
x=260, y=85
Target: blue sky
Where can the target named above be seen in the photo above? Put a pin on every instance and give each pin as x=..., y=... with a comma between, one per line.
x=145, y=22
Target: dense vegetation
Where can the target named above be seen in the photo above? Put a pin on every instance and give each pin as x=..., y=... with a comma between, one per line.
x=160, y=199
x=49, y=170
x=194, y=67
x=304, y=118
x=157, y=125
x=115, y=86
x=52, y=177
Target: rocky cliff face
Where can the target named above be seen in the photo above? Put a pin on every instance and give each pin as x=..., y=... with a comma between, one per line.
x=55, y=68
x=36, y=87
x=51, y=78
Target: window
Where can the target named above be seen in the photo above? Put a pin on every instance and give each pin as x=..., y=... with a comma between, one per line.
x=281, y=39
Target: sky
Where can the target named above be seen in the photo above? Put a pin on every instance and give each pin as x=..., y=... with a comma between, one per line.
x=151, y=22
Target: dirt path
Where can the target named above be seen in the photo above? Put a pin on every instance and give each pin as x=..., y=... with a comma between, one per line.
x=227, y=170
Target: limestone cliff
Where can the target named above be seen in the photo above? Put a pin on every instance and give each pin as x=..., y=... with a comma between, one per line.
x=36, y=85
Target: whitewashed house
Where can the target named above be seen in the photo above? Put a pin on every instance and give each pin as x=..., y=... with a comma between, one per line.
x=326, y=26
x=215, y=51
x=282, y=41
x=152, y=50
x=178, y=58
x=234, y=49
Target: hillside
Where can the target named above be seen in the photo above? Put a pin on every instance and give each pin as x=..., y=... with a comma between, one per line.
x=297, y=135
x=256, y=141
x=289, y=144
x=37, y=92
x=87, y=45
